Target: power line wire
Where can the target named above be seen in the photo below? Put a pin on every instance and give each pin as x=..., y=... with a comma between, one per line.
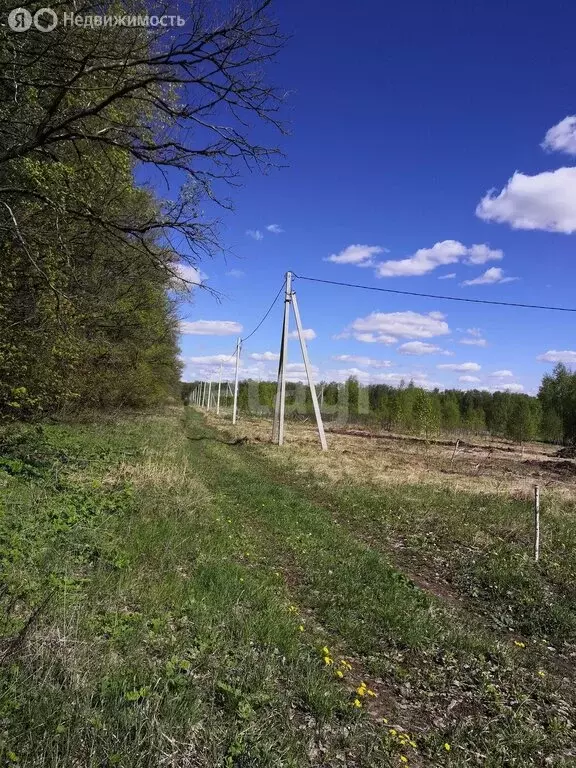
x=271, y=307
x=434, y=296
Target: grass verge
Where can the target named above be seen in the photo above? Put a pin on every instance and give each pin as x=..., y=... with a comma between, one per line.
x=172, y=599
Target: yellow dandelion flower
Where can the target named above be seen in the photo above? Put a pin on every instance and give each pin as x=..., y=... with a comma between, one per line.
x=328, y=660
x=519, y=644
x=403, y=759
x=326, y=651
x=339, y=673
x=412, y=744
x=360, y=691
x=393, y=732
x=301, y=627
x=357, y=703
x=541, y=673
x=369, y=692
x=385, y=720
x=447, y=746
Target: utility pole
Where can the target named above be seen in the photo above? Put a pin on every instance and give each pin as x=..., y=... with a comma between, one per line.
x=280, y=407
x=319, y=424
x=219, y=387
x=235, y=404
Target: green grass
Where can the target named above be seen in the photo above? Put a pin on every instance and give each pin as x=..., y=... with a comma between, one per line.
x=167, y=598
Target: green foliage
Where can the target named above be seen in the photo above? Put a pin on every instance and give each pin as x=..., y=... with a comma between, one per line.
x=411, y=409
x=557, y=395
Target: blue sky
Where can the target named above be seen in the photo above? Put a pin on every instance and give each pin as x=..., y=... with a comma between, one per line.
x=434, y=135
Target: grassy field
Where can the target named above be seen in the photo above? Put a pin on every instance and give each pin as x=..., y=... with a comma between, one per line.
x=175, y=593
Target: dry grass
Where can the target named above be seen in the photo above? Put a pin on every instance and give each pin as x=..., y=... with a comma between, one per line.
x=388, y=459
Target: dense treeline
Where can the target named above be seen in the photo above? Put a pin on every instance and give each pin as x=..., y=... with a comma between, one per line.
x=551, y=416
x=89, y=257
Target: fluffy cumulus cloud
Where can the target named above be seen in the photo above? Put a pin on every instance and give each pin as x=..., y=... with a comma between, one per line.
x=504, y=374
x=255, y=234
x=276, y=229
x=427, y=259
x=562, y=136
x=210, y=328
x=421, y=348
x=211, y=360
x=546, y=201
x=389, y=327
x=358, y=255
x=368, y=362
x=558, y=356
x=187, y=277
x=460, y=367
x=492, y=276
x=264, y=356
x=469, y=379
x=308, y=333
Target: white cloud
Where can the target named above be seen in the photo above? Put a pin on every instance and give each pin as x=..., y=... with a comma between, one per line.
x=421, y=348
x=359, y=255
x=210, y=328
x=255, y=234
x=264, y=356
x=480, y=254
x=187, y=277
x=512, y=387
x=474, y=338
x=393, y=379
x=502, y=374
x=449, y=276
x=308, y=333
x=276, y=229
x=212, y=360
x=235, y=273
x=361, y=360
x=490, y=277
x=558, y=356
x=427, y=259
x=462, y=367
x=545, y=201
x=298, y=368
x=469, y=379
x=388, y=327
x=562, y=136
x=297, y=372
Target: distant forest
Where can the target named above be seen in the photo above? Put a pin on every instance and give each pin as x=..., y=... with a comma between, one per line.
x=551, y=416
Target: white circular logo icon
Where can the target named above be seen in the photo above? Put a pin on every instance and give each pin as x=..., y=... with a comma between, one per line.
x=20, y=20
x=45, y=20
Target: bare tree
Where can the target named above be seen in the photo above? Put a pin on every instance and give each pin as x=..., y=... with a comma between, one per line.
x=185, y=102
